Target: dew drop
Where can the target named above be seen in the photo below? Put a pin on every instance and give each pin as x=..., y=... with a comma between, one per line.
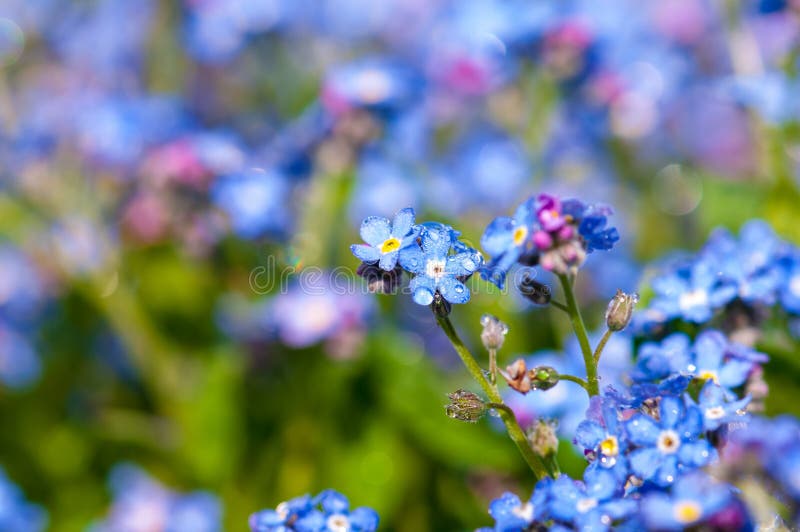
x=459, y=289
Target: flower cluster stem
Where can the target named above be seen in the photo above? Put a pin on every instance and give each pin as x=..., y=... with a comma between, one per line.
x=592, y=385
x=537, y=463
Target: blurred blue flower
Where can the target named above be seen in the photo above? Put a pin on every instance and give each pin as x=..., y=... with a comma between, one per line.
x=592, y=505
x=694, y=498
x=669, y=446
x=711, y=357
x=512, y=515
x=386, y=241
x=719, y=406
x=790, y=289
x=375, y=84
x=691, y=291
x=20, y=365
x=141, y=503
x=16, y=513
x=256, y=202
x=327, y=512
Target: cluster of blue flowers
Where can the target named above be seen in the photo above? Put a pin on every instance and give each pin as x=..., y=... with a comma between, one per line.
x=547, y=231
x=756, y=271
x=677, y=428
x=544, y=231
x=327, y=512
x=431, y=251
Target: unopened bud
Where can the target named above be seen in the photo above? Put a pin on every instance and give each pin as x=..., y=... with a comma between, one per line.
x=620, y=309
x=516, y=375
x=535, y=291
x=465, y=406
x=440, y=306
x=543, y=377
x=543, y=438
x=494, y=332
x=379, y=281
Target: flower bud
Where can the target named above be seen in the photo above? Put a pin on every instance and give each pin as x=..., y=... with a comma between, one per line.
x=543, y=378
x=380, y=281
x=620, y=309
x=543, y=438
x=494, y=332
x=535, y=291
x=440, y=306
x=516, y=375
x=465, y=406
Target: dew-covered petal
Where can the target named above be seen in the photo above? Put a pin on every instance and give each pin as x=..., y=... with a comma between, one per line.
x=403, y=222
x=388, y=260
x=642, y=430
x=374, y=230
x=498, y=236
x=589, y=434
x=644, y=462
x=365, y=253
x=453, y=290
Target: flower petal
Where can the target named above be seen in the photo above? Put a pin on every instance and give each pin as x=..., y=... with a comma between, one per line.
x=403, y=222
x=642, y=430
x=671, y=410
x=453, y=290
x=389, y=260
x=498, y=236
x=589, y=434
x=645, y=462
x=365, y=253
x=374, y=230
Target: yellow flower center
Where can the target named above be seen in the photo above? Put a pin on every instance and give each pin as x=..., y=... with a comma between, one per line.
x=686, y=512
x=389, y=245
x=519, y=235
x=610, y=446
x=708, y=375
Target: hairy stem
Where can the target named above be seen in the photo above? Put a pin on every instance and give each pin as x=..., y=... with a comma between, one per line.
x=535, y=462
x=598, y=352
x=592, y=386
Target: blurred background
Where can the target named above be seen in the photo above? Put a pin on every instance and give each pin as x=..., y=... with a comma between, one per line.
x=170, y=169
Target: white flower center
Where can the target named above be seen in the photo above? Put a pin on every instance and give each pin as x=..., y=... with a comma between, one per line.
x=668, y=441
x=715, y=412
x=794, y=285
x=584, y=505
x=373, y=86
x=524, y=511
x=435, y=269
x=338, y=523
x=695, y=298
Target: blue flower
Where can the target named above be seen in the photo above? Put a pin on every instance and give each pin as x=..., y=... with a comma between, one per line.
x=285, y=514
x=16, y=513
x=386, y=241
x=691, y=291
x=512, y=515
x=506, y=240
x=711, y=357
x=719, y=406
x=436, y=269
x=255, y=202
x=606, y=439
x=668, y=446
x=593, y=505
x=141, y=499
x=694, y=498
x=327, y=512
x=790, y=289
x=751, y=264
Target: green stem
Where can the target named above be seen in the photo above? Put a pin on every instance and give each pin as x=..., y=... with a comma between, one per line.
x=535, y=462
x=603, y=341
x=572, y=378
x=592, y=386
x=559, y=305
